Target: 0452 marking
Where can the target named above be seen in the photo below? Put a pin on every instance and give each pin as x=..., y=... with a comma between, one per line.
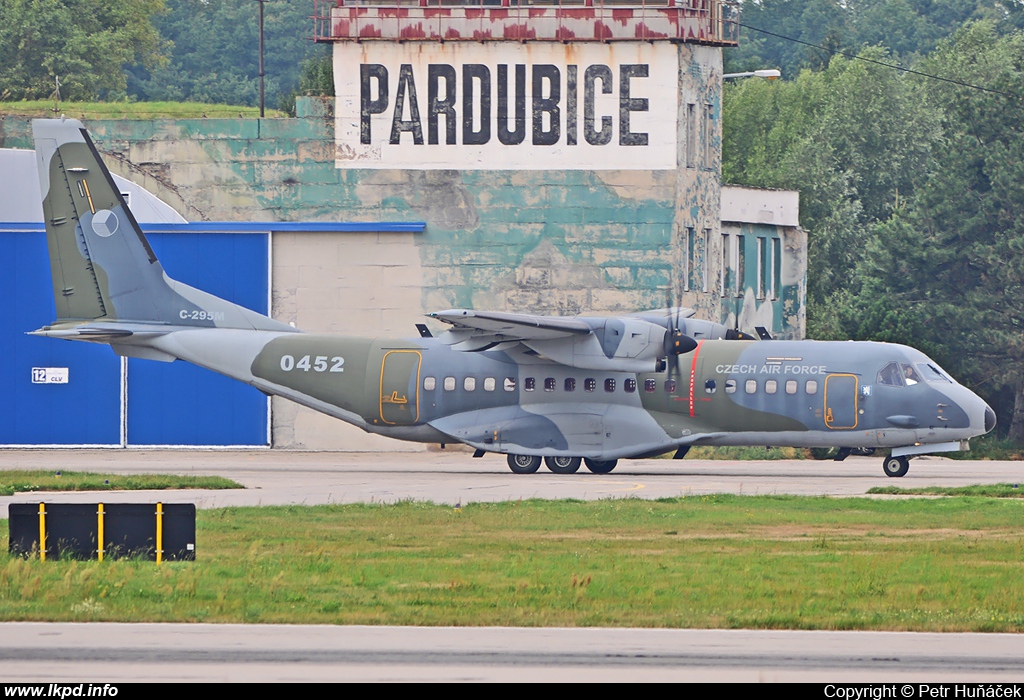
x=318, y=363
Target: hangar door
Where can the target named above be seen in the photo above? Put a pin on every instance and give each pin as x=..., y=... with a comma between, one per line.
x=107, y=400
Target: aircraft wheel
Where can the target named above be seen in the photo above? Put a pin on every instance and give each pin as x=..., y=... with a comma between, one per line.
x=895, y=466
x=563, y=465
x=523, y=464
x=600, y=466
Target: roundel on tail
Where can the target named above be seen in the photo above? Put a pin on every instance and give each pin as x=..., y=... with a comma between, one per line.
x=104, y=223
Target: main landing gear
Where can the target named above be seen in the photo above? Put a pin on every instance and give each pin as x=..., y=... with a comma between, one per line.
x=527, y=464
x=523, y=464
x=895, y=466
x=563, y=465
x=601, y=466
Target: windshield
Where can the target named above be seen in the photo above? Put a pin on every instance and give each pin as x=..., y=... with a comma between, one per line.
x=932, y=373
x=910, y=373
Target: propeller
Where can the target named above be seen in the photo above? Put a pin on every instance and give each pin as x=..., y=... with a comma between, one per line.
x=676, y=342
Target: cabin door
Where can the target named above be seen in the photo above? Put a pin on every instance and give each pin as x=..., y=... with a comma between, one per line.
x=841, y=401
x=399, y=387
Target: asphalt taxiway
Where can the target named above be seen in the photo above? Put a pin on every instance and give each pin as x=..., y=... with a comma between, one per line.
x=279, y=477
x=113, y=653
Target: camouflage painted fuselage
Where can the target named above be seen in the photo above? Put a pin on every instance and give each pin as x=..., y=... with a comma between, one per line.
x=726, y=392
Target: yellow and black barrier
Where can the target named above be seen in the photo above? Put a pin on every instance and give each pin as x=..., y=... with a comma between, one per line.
x=154, y=531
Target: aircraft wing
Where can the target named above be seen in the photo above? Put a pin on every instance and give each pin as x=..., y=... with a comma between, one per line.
x=637, y=343
x=600, y=343
x=512, y=327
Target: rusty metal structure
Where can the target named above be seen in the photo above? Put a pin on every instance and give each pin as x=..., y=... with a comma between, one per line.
x=708, y=22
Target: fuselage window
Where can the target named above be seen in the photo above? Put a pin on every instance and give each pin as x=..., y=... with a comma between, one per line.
x=609, y=385
x=449, y=383
x=589, y=384
x=429, y=383
x=771, y=386
x=670, y=386
x=510, y=384
x=469, y=384
x=890, y=375
x=570, y=384
x=489, y=384
x=549, y=384
x=751, y=386
x=730, y=386
x=629, y=385
x=791, y=386
x=529, y=384
x=650, y=386
x=811, y=387
x=710, y=386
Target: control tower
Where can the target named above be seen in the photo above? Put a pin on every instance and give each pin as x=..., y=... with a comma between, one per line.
x=566, y=155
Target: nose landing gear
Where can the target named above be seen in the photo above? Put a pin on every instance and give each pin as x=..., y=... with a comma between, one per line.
x=895, y=466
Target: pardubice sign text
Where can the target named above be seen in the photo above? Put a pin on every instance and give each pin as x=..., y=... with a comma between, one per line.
x=503, y=106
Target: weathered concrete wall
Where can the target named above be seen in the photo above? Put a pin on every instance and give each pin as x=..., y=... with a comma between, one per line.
x=779, y=302
x=770, y=290
x=697, y=247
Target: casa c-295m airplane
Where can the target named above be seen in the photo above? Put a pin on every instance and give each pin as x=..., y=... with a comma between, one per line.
x=565, y=390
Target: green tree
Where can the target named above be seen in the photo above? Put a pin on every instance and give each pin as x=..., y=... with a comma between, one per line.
x=215, y=53
x=908, y=28
x=317, y=79
x=853, y=139
x=86, y=43
x=952, y=262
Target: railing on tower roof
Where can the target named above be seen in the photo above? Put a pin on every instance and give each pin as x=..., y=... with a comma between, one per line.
x=713, y=22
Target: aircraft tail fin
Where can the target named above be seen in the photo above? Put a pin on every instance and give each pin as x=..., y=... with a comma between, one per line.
x=103, y=268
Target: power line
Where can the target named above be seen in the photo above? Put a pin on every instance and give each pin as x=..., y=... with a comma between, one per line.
x=881, y=63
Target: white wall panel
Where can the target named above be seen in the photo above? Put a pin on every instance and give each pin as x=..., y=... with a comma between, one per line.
x=506, y=106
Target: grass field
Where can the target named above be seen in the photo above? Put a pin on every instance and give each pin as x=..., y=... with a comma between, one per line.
x=713, y=561
x=14, y=481
x=133, y=110
x=989, y=490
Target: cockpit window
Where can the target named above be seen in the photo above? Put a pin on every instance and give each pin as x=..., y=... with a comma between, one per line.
x=890, y=375
x=910, y=375
x=931, y=373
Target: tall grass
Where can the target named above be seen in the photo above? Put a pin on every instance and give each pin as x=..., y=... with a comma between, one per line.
x=710, y=561
x=20, y=481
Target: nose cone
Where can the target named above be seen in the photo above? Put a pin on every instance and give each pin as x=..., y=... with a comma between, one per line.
x=990, y=419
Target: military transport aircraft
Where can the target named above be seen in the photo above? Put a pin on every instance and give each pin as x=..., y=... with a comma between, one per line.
x=560, y=389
